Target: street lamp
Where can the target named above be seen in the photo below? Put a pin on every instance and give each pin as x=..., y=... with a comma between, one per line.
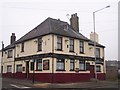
x=2, y=59
x=94, y=36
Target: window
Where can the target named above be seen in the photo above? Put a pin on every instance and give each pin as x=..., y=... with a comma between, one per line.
x=98, y=69
x=22, y=47
x=60, y=64
x=98, y=52
x=81, y=47
x=10, y=53
x=9, y=68
x=59, y=43
x=39, y=44
x=72, y=65
x=71, y=45
x=31, y=65
x=39, y=64
x=87, y=66
x=81, y=65
x=45, y=64
x=19, y=68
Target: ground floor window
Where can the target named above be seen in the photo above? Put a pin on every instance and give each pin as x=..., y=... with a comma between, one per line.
x=19, y=68
x=45, y=64
x=60, y=64
x=39, y=65
x=98, y=68
x=9, y=68
x=72, y=65
x=31, y=65
x=87, y=66
x=81, y=65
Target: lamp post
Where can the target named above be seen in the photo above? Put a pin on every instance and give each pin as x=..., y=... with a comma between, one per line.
x=2, y=59
x=33, y=75
x=95, y=37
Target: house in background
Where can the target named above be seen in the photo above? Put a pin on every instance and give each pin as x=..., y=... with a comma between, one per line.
x=54, y=51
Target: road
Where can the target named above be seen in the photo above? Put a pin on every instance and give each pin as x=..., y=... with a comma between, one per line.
x=15, y=84
x=11, y=85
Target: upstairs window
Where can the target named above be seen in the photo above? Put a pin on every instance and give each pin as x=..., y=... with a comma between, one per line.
x=81, y=47
x=10, y=53
x=39, y=65
x=39, y=44
x=60, y=64
x=81, y=65
x=22, y=47
x=59, y=43
x=19, y=68
x=9, y=68
x=72, y=65
x=98, y=52
x=71, y=45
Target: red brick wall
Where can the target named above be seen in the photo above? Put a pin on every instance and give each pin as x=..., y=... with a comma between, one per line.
x=56, y=77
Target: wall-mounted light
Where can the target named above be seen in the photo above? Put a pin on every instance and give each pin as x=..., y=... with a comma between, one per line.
x=35, y=41
x=18, y=45
x=75, y=61
x=66, y=60
x=66, y=40
x=90, y=47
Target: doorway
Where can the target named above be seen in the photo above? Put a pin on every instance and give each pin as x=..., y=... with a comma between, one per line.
x=92, y=74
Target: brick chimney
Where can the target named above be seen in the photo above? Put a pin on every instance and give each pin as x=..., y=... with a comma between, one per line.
x=13, y=38
x=74, y=22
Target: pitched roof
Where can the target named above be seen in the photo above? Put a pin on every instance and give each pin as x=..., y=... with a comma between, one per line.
x=97, y=44
x=10, y=46
x=51, y=26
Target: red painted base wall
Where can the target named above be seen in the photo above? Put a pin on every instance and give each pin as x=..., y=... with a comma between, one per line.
x=56, y=77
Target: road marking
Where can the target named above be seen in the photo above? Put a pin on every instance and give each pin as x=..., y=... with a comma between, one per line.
x=22, y=87
x=14, y=85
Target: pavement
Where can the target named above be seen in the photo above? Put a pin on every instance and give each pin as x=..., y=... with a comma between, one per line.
x=27, y=84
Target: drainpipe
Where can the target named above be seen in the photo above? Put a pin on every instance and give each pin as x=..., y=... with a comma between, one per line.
x=52, y=58
x=14, y=63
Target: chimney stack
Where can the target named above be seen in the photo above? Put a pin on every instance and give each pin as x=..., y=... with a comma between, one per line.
x=13, y=38
x=74, y=22
x=92, y=36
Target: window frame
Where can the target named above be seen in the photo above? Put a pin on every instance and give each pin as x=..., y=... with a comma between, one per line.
x=46, y=63
x=98, y=50
x=39, y=43
x=71, y=45
x=82, y=62
x=37, y=62
x=81, y=46
x=72, y=61
x=98, y=68
x=32, y=66
x=19, y=65
x=87, y=67
x=9, y=66
x=10, y=53
x=62, y=61
x=22, y=47
x=59, y=43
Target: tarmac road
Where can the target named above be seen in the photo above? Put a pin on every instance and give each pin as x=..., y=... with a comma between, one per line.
x=16, y=84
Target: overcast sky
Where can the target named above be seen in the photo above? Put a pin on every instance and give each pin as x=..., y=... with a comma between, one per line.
x=22, y=16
